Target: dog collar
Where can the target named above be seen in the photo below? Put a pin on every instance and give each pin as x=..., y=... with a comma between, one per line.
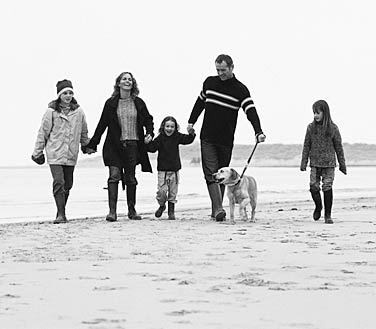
x=234, y=184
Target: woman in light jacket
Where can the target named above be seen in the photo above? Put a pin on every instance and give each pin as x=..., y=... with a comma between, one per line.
x=63, y=128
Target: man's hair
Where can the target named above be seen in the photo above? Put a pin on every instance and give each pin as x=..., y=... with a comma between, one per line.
x=224, y=58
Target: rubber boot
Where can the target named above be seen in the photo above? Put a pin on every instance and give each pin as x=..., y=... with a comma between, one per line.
x=161, y=198
x=328, y=201
x=171, y=211
x=112, y=189
x=60, y=204
x=316, y=197
x=160, y=210
x=216, y=200
x=131, y=201
x=222, y=188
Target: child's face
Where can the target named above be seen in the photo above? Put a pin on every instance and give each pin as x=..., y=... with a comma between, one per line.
x=169, y=128
x=318, y=115
x=66, y=97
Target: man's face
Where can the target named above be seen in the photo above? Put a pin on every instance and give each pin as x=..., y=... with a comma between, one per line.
x=224, y=71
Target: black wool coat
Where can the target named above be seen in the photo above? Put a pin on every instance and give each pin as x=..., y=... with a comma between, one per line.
x=113, y=153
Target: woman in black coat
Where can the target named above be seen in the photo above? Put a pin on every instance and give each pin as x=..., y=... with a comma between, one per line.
x=129, y=127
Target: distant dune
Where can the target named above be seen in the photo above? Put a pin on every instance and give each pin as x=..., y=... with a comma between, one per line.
x=266, y=155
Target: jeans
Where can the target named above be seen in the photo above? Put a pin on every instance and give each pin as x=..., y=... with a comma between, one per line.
x=168, y=182
x=324, y=175
x=62, y=178
x=130, y=160
x=213, y=157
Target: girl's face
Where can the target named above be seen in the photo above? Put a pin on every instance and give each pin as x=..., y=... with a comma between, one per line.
x=318, y=116
x=126, y=82
x=66, y=97
x=169, y=128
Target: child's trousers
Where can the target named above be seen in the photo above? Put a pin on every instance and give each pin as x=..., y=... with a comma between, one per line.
x=318, y=174
x=168, y=182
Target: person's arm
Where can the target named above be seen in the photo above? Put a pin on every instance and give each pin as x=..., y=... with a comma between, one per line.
x=148, y=123
x=306, y=149
x=249, y=109
x=43, y=134
x=84, y=139
x=153, y=146
x=101, y=127
x=337, y=142
x=197, y=108
x=186, y=139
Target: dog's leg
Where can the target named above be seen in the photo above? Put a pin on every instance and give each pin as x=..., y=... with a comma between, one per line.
x=232, y=210
x=253, y=206
x=243, y=206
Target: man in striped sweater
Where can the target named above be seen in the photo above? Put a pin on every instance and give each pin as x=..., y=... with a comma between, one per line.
x=222, y=96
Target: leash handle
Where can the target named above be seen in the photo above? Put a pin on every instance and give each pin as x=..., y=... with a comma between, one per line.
x=249, y=160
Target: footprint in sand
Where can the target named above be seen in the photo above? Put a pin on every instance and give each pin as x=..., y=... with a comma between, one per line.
x=101, y=320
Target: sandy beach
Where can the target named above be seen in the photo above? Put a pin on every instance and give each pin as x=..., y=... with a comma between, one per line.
x=284, y=271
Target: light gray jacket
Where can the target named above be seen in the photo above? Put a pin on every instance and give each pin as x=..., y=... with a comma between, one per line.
x=61, y=135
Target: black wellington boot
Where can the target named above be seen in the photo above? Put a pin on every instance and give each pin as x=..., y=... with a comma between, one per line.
x=216, y=199
x=131, y=200
x=112, y=189
x=328, y=201
x=60, y=204
x=316, y=197
x=160, y=210
x=171, y=211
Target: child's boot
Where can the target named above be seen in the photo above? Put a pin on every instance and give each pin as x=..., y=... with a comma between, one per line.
x=316, y=197
x=60, y=204
x=171, y=211
x=328, y=201
x=160, y=210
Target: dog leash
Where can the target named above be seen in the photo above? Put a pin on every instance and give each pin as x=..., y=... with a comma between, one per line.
x=249, y=160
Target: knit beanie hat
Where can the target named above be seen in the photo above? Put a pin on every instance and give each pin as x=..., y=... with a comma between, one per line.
x=63, y=86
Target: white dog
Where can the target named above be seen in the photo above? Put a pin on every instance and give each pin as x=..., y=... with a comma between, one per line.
x=242, y=191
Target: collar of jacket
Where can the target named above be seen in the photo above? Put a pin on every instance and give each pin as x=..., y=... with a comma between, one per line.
x=114, y=101
x=53, y=105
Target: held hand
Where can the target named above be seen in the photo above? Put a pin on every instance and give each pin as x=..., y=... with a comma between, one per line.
x=90, y=151
x=260, y=138
x=190, y=128
x=148, y=139
x=191, y=131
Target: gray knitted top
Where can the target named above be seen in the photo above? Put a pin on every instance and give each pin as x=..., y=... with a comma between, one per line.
x=321, y=150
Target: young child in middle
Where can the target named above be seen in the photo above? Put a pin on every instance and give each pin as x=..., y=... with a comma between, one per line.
x=168, y=163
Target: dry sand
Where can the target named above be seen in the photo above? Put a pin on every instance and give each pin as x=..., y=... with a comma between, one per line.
x=284, y=271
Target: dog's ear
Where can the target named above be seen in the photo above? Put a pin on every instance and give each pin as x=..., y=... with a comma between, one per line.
x=234, y=174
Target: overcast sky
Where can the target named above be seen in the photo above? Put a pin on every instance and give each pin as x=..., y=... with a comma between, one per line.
x=288, y=53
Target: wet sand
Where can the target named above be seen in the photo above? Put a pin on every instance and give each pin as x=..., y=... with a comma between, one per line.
x=284, y=271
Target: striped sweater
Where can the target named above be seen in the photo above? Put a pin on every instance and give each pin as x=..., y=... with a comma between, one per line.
x=222, y=101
